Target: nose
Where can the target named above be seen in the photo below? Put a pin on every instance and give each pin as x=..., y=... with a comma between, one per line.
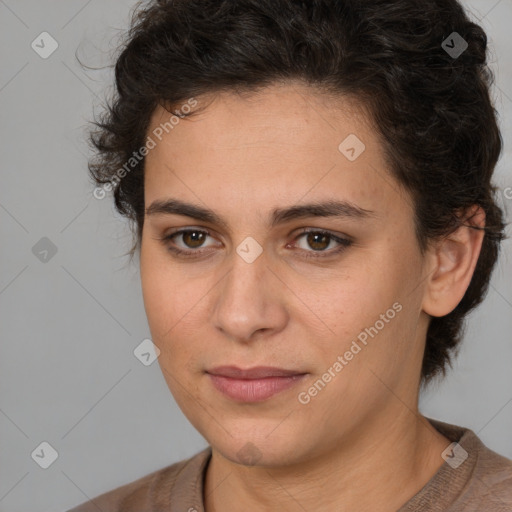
x=249, y=301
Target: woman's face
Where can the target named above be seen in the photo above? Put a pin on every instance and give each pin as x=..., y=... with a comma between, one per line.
x=338, y=307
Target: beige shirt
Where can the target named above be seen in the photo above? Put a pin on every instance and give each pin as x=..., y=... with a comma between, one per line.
x=482, y=482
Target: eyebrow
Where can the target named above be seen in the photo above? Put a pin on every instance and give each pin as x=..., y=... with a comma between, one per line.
x=330, y=208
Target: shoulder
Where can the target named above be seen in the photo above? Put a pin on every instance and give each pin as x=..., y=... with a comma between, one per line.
x=142, y=494
x=491, y=482
x=482, y=478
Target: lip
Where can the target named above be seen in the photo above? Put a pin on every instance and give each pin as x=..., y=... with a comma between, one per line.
x=258, y=372
x=254, y=384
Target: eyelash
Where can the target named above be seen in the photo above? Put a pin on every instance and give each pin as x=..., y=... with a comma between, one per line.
x=343, y=243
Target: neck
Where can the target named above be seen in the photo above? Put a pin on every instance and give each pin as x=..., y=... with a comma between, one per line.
x=378, y=467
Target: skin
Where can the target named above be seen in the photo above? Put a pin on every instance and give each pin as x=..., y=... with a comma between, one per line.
x=360, y=443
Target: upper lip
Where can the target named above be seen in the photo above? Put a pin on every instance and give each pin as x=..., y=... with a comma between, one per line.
x=258, y=372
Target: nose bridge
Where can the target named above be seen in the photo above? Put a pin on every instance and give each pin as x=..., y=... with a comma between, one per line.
x=245, y=302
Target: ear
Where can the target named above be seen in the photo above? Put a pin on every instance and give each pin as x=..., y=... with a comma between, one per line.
x=451, y=262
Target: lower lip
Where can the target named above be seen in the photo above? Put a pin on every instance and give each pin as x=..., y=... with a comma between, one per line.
x=253, y=390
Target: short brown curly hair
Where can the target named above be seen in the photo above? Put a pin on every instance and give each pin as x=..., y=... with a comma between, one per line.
x=431, y=108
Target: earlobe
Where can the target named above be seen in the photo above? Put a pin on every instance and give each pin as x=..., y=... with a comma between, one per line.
x=453, y=261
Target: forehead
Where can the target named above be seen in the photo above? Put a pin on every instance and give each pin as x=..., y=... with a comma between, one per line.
x=280, y=144
x=280, y=112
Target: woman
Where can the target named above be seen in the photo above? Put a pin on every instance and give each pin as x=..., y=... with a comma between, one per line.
x=310, y=184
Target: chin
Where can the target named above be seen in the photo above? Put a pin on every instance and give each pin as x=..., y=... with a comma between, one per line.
x=257, y=448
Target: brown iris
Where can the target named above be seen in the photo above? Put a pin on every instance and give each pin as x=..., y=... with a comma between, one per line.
x=196, y=237
x=316, y=240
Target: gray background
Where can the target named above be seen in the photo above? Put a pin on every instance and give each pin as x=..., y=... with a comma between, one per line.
x=69, y=325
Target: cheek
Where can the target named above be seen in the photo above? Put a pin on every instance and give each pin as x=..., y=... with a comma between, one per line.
x=174, y=309
x=160, y=289
x=373, y=305
x=160, y=292
x=356, y=298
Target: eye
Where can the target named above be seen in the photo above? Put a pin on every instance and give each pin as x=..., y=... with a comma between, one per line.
x=190, y=239
x=320, y=241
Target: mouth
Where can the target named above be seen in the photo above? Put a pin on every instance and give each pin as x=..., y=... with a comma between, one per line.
x=254, y=384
